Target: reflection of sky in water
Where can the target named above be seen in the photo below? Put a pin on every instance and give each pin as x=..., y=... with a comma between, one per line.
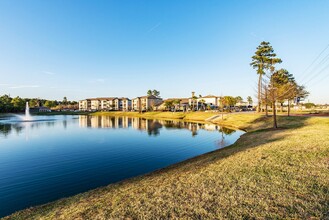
x=59, y=156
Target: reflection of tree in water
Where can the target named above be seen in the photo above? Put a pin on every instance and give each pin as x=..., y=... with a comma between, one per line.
x=5, y=129
x=194, y=129
x=154, y=128
x=18, y=129
x=226, y=131
x=65, y=124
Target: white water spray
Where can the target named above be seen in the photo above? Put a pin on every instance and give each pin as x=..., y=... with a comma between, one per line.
x=27, y=112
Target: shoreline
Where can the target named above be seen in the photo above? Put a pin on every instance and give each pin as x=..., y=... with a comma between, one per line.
x=257, y=127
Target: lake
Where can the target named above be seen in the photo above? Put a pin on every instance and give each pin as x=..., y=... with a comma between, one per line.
x=52, y=157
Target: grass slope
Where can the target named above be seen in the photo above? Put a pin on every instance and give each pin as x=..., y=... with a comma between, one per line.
x=265, y=174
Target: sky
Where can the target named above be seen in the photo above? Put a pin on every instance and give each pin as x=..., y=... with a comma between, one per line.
x=120, y=48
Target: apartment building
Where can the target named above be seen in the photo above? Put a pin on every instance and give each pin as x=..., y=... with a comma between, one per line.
x=105, y=103
x=144, y=103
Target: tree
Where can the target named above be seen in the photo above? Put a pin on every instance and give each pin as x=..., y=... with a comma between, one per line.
x=176, y=103
x=5, y=103
x=194, y=100
x=238, y=99
x=283, y=80
x=64, y=101
x=168, y=104
x=228, y=101
x=50, y=104
x=33, y=103
x=263, y=60
x=18, y=104
x=156, y=93
x=249, y=100
x=287, y=88
x=309, y=105
x=202, y=101
x=280, y=82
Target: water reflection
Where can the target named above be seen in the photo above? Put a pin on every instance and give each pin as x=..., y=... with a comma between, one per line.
x=10, y=126
x=152, y=126
x=58, y=156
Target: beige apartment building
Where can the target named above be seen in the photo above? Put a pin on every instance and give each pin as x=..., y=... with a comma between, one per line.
x=106, y=103
x=144, y=103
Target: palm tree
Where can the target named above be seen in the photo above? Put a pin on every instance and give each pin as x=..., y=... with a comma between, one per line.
x=249, y=100
x=264, y=59
x=202, y=101
x=156, y=93
x=194, y=99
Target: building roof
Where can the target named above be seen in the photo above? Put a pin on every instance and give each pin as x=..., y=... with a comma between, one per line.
x=99, y=98
x=124, y=98
x=210, y=96
x=182, y=100
x=148, y=96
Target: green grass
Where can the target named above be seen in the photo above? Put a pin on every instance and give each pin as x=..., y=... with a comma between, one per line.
x=266, y=174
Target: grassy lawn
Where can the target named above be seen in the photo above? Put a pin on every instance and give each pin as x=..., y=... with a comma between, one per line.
x=266, y=174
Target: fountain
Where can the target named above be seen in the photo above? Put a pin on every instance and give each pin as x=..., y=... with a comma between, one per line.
x=24, y=118
x=27, y=112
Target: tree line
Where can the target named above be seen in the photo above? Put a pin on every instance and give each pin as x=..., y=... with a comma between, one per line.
x=274, y=85
x=17, y=104
x=225, y=102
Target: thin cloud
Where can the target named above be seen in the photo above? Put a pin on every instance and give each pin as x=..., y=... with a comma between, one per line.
x=23, y=86
x=153, y=28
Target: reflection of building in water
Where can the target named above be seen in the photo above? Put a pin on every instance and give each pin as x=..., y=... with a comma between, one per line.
x=152, y=126
x=210, y=127
x=140, y=123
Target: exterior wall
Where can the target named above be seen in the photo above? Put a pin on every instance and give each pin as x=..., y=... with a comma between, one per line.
x=84, y=105
x=95, y=104
x=152, y=102
x=210, y=101
x=117, y=104
x=135, y=104
x=126, y=104
x=111, y=104
x=144, y=103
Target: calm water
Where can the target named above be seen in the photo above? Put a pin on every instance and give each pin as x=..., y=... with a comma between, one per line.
x=59, y=156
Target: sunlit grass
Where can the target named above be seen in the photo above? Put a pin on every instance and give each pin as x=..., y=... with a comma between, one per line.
x=266, y=174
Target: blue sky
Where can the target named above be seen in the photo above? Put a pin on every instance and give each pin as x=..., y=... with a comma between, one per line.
x=79, y=49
